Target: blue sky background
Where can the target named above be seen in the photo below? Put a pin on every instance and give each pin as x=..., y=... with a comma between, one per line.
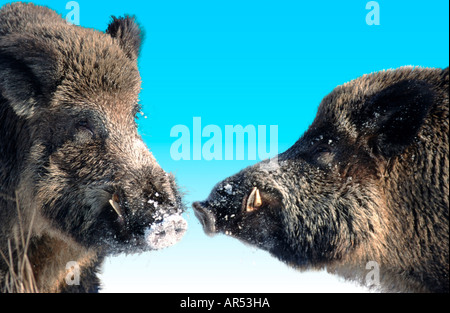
x=250, y=63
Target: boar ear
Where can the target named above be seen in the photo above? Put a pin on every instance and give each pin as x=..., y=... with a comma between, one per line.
x=28, y=73
x=128, y=34
x=394, y=116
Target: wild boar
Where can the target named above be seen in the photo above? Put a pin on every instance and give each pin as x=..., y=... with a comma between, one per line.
x=77, y=182
x=367, y=182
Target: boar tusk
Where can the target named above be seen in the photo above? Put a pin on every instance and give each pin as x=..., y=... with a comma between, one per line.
x=254, y=201
x=258, y=201
x=116, y=207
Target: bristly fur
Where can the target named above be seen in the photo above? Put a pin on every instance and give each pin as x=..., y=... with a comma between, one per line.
x=69, y=144
x=128, y=34
x=368, y=181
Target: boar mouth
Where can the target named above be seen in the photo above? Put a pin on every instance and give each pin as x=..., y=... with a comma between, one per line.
x=205, y=217
x=148, y=228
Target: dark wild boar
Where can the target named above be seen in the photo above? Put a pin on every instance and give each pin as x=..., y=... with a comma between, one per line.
x=77, y=183
x=367, y=182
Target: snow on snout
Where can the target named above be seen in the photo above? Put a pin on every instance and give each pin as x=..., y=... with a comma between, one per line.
x=166, y=233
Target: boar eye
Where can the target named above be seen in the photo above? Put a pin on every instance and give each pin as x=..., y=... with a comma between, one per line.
x=324, y=154
x=84, y=125
x=322, y=149
x=84, y=130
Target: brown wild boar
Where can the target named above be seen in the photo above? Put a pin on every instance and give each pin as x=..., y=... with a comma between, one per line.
x=77, y=183
x=365, y=188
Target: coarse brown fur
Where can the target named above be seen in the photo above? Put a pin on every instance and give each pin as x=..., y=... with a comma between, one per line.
x=366, y=186
x=69, y=146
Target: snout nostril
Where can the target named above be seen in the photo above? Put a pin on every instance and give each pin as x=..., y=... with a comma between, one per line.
x=166, y=233
x=206, y=217
x=197, y=205
x=199, y=211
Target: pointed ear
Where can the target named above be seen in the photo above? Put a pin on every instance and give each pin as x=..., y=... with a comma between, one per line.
x=128, y=34
x=394, y=116
x=28, y=73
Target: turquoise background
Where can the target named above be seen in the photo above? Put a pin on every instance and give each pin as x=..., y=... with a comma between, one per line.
x=249, y=63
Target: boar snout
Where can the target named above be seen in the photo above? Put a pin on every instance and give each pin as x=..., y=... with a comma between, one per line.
x=206, y=217
x=148, y=214
x=166, y=233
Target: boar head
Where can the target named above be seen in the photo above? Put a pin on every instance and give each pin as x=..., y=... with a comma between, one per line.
x=72, y=97
x=342, y=192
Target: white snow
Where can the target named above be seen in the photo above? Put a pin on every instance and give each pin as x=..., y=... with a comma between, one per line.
x=228, y=189
x=166, y=233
